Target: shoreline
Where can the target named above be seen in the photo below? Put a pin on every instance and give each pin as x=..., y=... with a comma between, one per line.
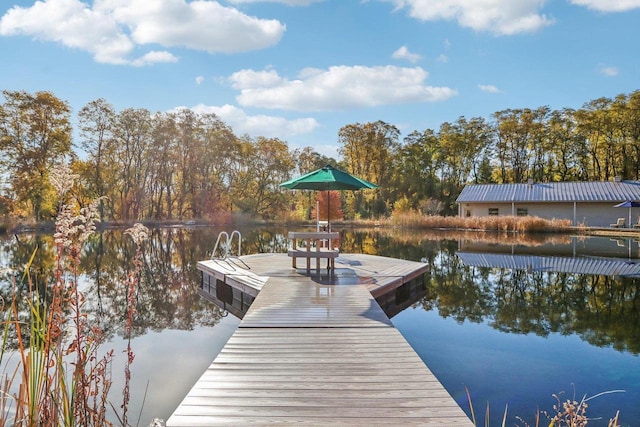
x=49, y=226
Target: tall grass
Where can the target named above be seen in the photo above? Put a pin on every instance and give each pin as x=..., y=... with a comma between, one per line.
x=62, y=378
x=520, y=224
x=566, y=413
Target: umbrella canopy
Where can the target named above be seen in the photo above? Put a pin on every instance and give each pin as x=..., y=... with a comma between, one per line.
x=328, y=178
x=628, y=204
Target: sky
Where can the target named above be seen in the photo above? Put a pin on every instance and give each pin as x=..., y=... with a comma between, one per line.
x=299, y=70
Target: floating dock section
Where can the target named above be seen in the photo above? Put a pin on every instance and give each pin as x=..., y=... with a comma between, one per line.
x=315, y=350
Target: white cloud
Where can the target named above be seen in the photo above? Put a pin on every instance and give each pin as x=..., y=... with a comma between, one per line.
x=250, y=79
x=608, y=5
x=72, y=24
x=201, y=24
x=608, y=70
x=502, y=17
x=199, y=80
x=489, y=88
x=337, y=88
x=442, y=58
x=111, y=30
x=287, y=2
x=259, y=125
x=403, y=53
x=154, y=57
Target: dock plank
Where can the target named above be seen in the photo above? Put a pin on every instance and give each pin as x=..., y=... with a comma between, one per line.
x=312, y=353
x=212, y=421
x=309, y=304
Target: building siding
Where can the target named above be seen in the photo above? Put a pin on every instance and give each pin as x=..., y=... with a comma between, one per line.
x=583, y=203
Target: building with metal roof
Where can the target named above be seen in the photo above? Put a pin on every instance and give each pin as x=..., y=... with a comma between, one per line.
x=591, y=204
x=587, y=265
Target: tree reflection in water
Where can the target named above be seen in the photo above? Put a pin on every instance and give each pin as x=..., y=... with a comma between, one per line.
x=602, y=310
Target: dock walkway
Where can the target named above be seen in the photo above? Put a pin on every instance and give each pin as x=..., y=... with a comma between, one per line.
x=308, y=352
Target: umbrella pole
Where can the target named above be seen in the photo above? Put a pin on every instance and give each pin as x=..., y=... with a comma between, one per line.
x=329, y=212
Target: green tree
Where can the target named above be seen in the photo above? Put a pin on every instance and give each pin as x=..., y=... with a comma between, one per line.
x=594, y=123
x=415, y=173
x=520, y=143
x=626, y=109
x=462, y=146
x=566, y=146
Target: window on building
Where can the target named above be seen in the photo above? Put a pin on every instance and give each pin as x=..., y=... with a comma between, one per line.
x=522, y=212
x=494, y=212
x=468, y=213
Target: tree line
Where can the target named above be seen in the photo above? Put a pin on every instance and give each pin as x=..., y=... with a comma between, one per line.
x=187, y=165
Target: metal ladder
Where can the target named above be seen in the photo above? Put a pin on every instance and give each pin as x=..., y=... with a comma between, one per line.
x=223, y=247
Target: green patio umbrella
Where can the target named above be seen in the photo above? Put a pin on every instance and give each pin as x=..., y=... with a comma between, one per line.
x=328, y=178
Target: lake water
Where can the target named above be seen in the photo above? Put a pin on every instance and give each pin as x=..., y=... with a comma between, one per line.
x=512, y=321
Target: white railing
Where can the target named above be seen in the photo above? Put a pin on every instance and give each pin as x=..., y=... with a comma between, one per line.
x=225, y=246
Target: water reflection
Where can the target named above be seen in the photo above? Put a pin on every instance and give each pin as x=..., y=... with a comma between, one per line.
x=547, y=287
x=576, y=291
x=586, y=286
x=233, y=300
x=226, y=297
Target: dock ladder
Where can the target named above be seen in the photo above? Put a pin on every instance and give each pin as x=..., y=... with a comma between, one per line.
x=222, y=251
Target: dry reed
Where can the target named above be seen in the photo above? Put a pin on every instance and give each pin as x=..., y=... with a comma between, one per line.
x=568, y=413
x=515, y=224
x=62, y=377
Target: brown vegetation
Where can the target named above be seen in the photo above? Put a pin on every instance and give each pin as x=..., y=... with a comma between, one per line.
x=62, y=376
x=568, y=413
x=511, y=224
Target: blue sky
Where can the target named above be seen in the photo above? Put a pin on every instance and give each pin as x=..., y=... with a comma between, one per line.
x=299, y=70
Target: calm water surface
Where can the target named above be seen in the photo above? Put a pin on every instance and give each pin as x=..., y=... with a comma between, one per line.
x=514, y=322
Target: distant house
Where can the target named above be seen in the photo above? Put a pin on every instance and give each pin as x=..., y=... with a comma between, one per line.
x=584, y=203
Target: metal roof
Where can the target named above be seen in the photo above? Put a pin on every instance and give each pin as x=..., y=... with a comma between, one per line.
x=603, y=191
x=579, y=265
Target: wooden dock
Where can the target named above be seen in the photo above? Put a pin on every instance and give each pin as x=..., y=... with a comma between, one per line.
x=316, y=350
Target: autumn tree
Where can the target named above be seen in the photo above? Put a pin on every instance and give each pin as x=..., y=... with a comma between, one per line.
x=35, y=134
x=96, y=121
x=220, y=149
x=163, y=167
x=132, y=140
x=328, y=207
x=369, y=151
x=267, y=163
x=306, y=160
